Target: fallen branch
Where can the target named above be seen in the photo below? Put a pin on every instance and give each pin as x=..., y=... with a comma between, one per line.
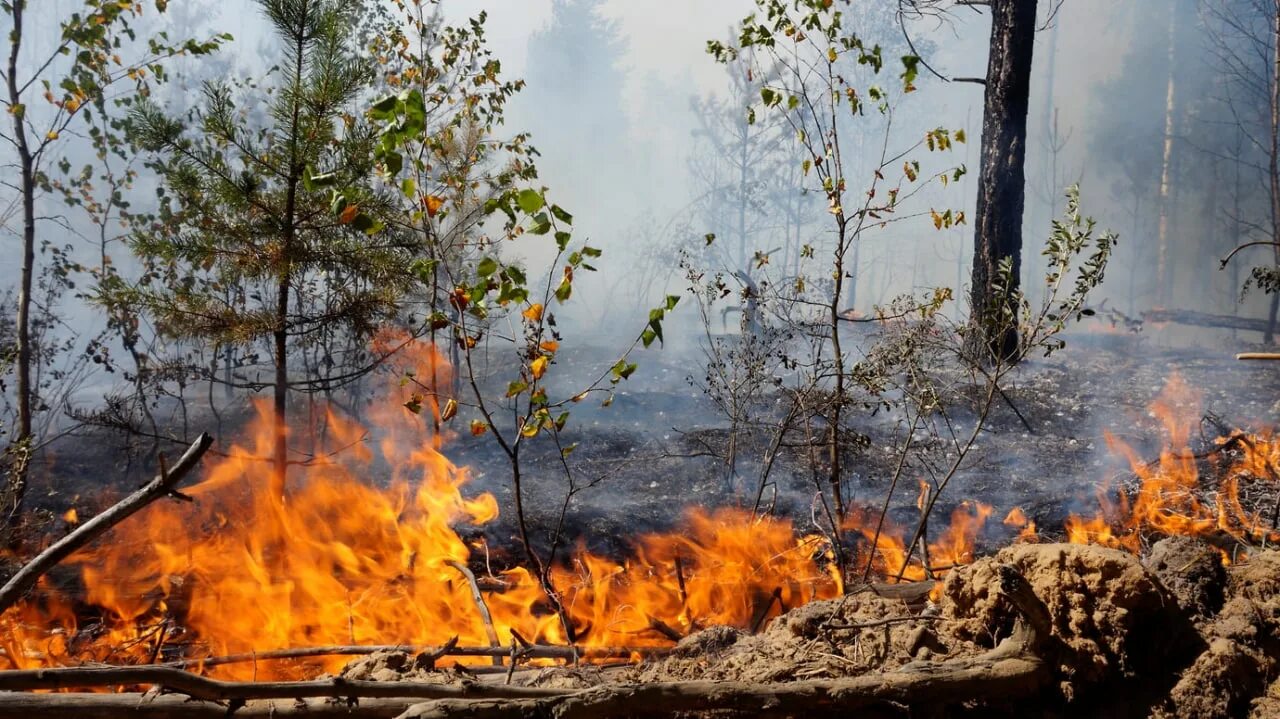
x=481, y=606
x=1204, y=319
x=1012, y=670
x=163, y=484
x=533, y=651
x=177, y=681
x=140, y=706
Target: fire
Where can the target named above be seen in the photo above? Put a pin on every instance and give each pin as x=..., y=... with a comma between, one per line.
x=1172, y=498
x=341, y=561
x=1026, y=527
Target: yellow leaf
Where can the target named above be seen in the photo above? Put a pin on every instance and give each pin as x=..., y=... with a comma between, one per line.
x=450, y=410
x=433, y=203
x=579, y=397
x=534, y=313
x=72, y=104
x=478, y=427
x=831, y=54
x=538, y=367
x=349, y=214
x=53, y=135
x=549, y=346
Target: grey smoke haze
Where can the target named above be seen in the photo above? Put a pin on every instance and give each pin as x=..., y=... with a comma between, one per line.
x=609, y=101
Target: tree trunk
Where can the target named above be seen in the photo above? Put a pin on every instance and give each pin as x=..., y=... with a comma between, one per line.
x=26, y=393
x=284, y=279
x=1274, y=165
x=1163, y=280
x=1001, y=177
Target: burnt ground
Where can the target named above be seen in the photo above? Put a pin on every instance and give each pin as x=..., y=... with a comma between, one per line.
x=652, y=453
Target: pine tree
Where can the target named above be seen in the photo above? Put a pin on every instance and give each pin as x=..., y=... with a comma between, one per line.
x=251, y=247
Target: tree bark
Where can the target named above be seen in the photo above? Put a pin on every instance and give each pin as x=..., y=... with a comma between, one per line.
x=1274, y=166
x=26, y=164
x=1001, y=178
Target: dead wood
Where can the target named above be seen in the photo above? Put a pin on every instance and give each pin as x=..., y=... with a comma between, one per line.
x=909, y=592
x=481, y=606
x=140, y=706
x=1012, y=670
x=163, y=484
x=195, y=686
x=1204, y=319
x=1271, y=356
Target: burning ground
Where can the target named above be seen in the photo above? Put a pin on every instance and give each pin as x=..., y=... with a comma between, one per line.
x=392, y=536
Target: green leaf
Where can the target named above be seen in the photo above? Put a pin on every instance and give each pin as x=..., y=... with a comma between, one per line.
x=561, y=215
x=530, y=201
x=672, y=301
x=515, y=388
x=487, y=267
x=562, y=240
x=382, y=109
x=541, y=225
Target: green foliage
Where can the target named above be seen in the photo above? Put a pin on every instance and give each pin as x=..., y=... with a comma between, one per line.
x=252, y=239
x=1077, y=258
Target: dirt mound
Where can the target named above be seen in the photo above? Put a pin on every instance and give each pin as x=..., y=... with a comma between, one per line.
x=1111, y=619
x=1243, y=657
x=1192, y=571
x=1121, y=642
x=850, y=636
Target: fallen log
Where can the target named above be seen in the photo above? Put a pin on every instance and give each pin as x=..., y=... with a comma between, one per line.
x=163, y=485
x=1204, y=319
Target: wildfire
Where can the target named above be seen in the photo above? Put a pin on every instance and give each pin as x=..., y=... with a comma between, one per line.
x=1172, y=498
x=342, y=561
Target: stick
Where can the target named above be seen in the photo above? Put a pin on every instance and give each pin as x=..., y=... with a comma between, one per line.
x=141, y=706
x=162, y=485
x=533, y=651
x=478, y=598
x=195, y=686
x=1258, y=356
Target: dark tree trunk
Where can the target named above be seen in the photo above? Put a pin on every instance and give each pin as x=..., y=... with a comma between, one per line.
x=1001, y=185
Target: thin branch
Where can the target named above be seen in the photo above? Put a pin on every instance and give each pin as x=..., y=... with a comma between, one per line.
x=162, y=485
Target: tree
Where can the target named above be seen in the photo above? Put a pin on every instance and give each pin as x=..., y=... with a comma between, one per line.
x=1245, y=39
x=72, y=79
x=1001, y=173
x=250, y=246
x=822, y=75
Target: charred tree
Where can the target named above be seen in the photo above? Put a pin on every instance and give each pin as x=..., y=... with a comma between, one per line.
x=1001, y=180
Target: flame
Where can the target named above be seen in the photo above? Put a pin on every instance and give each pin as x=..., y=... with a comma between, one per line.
x=340, y=560
x=1026, y=527
x=343, y=560
x=1172, y=498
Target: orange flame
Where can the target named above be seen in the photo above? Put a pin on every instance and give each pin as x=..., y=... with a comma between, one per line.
x=1172, y=498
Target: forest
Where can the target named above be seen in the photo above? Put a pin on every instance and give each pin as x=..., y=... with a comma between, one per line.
x=592, y=358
